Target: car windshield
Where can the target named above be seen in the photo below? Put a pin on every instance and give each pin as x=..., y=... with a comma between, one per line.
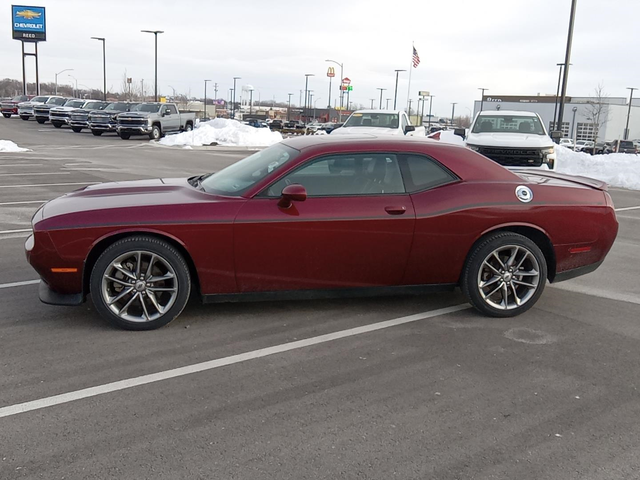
x=57, y=101
x=508, y=124
x=237, y=178
x=74, y=103
x=147, y=107
x=117, y=107
x=39, y=99
x=94, y=105
x=19, y=98
x=382, y=120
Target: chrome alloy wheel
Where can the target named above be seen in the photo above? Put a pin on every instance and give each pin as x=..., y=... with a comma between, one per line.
x=509, y=277
x=139, y=286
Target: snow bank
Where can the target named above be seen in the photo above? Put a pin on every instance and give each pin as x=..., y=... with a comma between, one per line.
x=447, y=136
x=617, y=169
x=224, y=132
x=9, y=146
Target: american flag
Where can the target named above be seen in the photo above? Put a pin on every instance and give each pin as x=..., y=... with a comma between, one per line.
x=416, y=58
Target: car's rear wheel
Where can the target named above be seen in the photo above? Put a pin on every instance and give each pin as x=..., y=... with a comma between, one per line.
x=504, y=275
x=188, y=127
x=76, y=129
x=56, y=124
x=97, y=133
x=140, y=283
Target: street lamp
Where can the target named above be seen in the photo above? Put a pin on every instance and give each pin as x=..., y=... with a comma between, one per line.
x=567, y=63
x=204, y=116
x=250, y=101
x=155, y=34
x=61, y=71
x=289, y=108
x=395, y=95
x=104, y=65
x=314, y=107
x=626, y=129
x=453, y=110
x=430, y=104
x=75, y=94
x=573, y=121
x=233, y=102
x=341, y=92
x=372, y=100
x=386, y=105
x=555, y=108
x=381, y=90
x=482, y=97
x=306, y=92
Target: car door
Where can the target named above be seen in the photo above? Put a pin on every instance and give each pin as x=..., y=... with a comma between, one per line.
x=354, y=229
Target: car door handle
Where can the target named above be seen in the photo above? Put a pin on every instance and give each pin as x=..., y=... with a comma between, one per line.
x=395, y=210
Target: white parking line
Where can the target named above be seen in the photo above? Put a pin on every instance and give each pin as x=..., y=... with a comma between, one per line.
x=22, y=203
x=6, y=232
x=32, y=174
x=18, y=284
x=48, y=185
x=220, y=362
x=597, y=292
x=624, y=209
x=21, y=165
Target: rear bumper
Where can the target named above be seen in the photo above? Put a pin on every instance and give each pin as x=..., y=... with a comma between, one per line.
x=50, y=297
x=12, y=111
x=576, y=272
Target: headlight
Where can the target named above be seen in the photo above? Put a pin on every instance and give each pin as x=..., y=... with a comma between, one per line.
x=548, y=151
x=149, y=121
x=475, y=148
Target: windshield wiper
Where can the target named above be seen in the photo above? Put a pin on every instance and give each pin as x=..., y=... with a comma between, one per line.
x=197, y=180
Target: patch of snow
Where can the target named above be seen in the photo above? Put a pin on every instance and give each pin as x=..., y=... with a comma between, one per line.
x=447, y=136
x=617, y=169
x=221, y=131
x=10, y=147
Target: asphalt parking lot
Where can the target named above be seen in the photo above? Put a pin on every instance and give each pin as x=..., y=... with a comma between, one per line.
x=406, y=387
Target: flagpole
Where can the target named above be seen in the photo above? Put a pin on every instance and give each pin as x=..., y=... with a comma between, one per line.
x=409, y=89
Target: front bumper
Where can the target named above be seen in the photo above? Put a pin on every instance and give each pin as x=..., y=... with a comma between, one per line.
x=78, y=123
x=9, y=110
x=103, y=127
x=64, y=120
x=134, y=129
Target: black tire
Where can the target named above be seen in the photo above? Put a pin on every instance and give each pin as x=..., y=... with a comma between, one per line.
x=97, y=133
x=163, y=251
x=26, y=119
x=156, y=133
x=471, y=274
x=125, y=136
x=76, y=129
x=56, y=124
x=40, y=120
x=188, y=127
x=6, y=115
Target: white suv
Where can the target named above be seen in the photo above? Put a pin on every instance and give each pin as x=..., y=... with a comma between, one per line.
x=513, y=139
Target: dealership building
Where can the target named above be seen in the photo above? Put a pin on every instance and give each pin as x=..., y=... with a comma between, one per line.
x=580, y=118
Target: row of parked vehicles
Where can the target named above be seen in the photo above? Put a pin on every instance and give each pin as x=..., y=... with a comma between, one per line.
x=601, y=148
x=124, y=118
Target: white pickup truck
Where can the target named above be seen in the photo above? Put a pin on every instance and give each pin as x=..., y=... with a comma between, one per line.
x=379, y=122
x=513, y=139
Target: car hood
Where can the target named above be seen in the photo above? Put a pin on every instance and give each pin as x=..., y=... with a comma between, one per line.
x=135, y=114
x=516, y=140
x=29, y=104
x=365, y=130
x=64, y=109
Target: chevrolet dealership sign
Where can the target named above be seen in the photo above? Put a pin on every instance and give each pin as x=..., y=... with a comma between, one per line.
x=28, y=23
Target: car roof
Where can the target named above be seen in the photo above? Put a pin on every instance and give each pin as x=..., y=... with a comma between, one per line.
x=515, y=113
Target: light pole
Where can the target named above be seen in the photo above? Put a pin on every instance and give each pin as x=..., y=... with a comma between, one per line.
x=314, y=108
x=306, y=92
x=205, y=99
x=381, y=90
x=626, y=129
x=233, y=103
x=104, y=65
x=453, y=110
x=482, y=97
x=61, y=71
x=341, y=92
x=386, y=104
x=372, y=100
x=230, y=101
x=555, y=108
x=567, y=62
x=250, y=101
x=155, y=34
x=430, y=104
x=289, y=108
x=75, y=94
x=395, y=95
x=573, y=121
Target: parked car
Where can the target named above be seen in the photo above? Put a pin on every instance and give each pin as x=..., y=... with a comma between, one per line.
x=379, y=122
x=512, y=139
x=599, y=148
x=369, y=216
x=10, y=107
x=79, y=118
x=586, y=146
x=59, y=116
x=254, y=122
x=41, y=111
x=101, y=121
x=25, y=109
x=154, y=120
x=567, y=142
x=275, y=124
x=621, y=146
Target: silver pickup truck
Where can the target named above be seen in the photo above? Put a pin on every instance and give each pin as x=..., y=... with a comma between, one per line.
x=155, y=120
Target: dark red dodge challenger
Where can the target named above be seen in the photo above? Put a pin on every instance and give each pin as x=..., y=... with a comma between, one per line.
x=322, y=217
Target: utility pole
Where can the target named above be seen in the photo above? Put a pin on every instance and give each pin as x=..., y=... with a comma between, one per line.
x=104, y=65
x=567, y=63
x=395, y=95
x=555, y=108
x=289, y=108
x=233, y=104
x=205, y=99
x=381, y=90
x=626, y=129
x=306, y=93
x=215, y=91
x=155, y=34
x=482, y=97
x=372, y=100
x=453, y=111
x=386, y=105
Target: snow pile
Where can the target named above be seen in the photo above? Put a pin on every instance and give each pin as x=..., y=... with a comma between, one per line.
x=225, y=132
x=447, y=136
x=9, y=146
x=617, y=169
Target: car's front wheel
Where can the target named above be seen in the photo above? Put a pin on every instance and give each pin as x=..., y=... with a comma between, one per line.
x=40, y=120
x=24, y=117
x=96, y=133
x=505, y=275
x=76, y=129
x=156, y=133
x=140, y=283
x=6, y=115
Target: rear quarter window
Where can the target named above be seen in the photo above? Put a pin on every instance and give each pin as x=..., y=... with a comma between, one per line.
x=423, y=173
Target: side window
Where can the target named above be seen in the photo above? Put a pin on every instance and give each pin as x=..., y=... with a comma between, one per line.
x=338, y=175
x=172, y=109
x=424, y=173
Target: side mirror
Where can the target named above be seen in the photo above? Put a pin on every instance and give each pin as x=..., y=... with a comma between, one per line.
x=163, y=113
x=292, y=193
x=460, y=132
x=409, y=128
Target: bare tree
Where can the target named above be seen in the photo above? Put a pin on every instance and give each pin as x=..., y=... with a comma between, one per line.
x=598, y=111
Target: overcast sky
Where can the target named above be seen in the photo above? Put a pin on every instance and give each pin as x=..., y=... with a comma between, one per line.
x=508, y=46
